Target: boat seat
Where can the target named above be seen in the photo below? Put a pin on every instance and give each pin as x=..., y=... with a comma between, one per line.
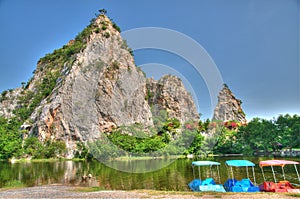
x=208, y=181
x=194, y=185
x=286, y=184
x=228, y=185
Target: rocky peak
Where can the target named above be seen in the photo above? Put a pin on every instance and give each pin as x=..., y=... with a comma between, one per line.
x=228, y=107
x=169, y=94
x=91, y=86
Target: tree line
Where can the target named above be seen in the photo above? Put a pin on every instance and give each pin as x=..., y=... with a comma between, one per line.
x=204, y=137
x=168, y=138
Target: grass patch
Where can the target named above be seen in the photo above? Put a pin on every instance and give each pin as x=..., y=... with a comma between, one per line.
x=183, y=193
x=14, y=184
x=296, y=195
x=88, y=189
x=218, y=194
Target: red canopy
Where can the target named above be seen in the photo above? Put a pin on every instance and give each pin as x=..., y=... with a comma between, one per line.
x=276, y=163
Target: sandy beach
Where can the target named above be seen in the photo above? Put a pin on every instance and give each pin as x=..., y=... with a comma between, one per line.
x=61, y=191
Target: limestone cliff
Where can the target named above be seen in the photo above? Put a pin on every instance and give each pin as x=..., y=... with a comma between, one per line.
x=91, y=86
x=9, y=102
x=169, y=94
x=102, y=89
x=228, y=107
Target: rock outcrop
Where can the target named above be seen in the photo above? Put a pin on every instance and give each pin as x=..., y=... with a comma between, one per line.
x=9, y=102
x=169, y=94
x=103, y=89
x=91, y=86
x=228, y=107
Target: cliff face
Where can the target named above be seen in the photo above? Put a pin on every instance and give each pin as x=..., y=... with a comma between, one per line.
x=102, y=90
x=228, y=107
x=91, y=86
x=169, y=94
x=8, y=102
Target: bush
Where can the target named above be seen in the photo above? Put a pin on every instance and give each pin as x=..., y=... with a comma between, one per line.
x=103, y=150
x=33, y=147
x=104, y=27
x=106, y=35
x=117, y=28
x=115, y=65
x=97, y=30
x=82, y=151
x=51, y=149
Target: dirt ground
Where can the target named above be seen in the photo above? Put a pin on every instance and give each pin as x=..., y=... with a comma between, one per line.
x=60, y=191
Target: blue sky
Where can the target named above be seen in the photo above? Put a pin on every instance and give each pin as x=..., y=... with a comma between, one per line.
x=254, y=43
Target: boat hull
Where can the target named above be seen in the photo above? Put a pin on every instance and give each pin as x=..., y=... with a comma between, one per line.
x=281, y=186
x=213, y=188
x=244, y=185
x=206, y=185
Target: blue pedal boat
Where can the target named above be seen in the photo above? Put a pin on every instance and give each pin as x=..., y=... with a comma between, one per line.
x=244, y=185
x=207, y=184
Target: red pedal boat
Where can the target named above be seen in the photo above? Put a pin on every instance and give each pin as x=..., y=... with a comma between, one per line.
x=281, y=186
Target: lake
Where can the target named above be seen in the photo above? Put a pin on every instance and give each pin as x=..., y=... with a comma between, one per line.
x=131, y=174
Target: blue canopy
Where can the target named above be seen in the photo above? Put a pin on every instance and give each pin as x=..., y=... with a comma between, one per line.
x=205, y=163
x=239, y=163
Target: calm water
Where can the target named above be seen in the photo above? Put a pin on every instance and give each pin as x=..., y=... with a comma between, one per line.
x=175, y=176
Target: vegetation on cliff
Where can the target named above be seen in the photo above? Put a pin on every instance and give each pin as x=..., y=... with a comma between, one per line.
x=12, y=144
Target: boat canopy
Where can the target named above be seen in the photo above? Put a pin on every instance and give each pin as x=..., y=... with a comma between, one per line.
x=207, y=184
x=239, y=163
x=205, y=163
x=281, y=163
x=244, y=185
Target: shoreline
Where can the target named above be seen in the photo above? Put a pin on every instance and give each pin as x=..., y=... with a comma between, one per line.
x=63, y=191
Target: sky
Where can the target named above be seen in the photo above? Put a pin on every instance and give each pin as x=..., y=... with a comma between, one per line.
x=254, y=43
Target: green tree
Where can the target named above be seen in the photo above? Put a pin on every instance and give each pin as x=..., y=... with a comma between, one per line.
x=103, y=149
x=227, y=142
x=33, y=147
x=288, y=128
x=259, y=134
x=10, y=138
x=54, y=149
x=103, y=11
x=195, y=146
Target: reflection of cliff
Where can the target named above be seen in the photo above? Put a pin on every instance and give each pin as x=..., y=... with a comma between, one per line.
x=175, y=177
x=31, y=174
x=70, y=172
x=172, y=177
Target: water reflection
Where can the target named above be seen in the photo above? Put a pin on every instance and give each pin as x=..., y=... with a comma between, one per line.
x=176, y=176
x=140, y=166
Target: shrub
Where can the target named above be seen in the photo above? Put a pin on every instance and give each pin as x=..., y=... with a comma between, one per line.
x=97, y=30
x=130, y=51
x=106, y=35
x=117, y=28
x=4, y=93
x=33, y=147
x=115, y=65
x=104, y=27
x=103, y=150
